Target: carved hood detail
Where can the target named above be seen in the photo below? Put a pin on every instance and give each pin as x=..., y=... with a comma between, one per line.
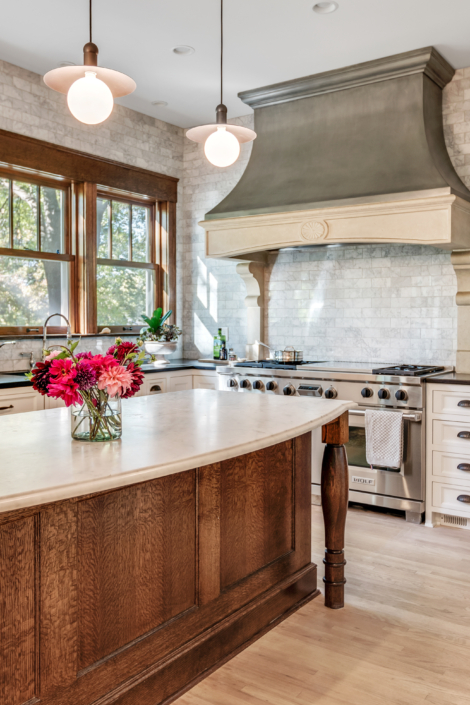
x=355, y=155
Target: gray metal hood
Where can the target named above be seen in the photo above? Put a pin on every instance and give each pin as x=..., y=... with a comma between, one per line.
x=351, y=155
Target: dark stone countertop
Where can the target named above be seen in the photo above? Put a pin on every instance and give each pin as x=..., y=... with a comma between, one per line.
x=450, y=378
x=17, y=379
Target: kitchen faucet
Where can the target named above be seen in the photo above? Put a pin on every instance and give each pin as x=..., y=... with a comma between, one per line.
x=44, y=334
x=7, y=342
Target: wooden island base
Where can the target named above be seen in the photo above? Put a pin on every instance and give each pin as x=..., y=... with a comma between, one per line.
x=130, y=596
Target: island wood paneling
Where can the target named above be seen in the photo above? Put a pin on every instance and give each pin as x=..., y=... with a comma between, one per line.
x=256, y=511
x=137, y=598
x=17, y=612
x=137, y=562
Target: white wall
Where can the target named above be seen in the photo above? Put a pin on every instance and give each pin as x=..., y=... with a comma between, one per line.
x=375, y=303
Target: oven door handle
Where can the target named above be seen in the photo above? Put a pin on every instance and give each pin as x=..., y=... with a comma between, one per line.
x=406, y=417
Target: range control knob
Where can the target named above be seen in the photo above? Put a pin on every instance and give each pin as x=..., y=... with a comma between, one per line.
x=245, y=384
x=331, y=393
x=289, y=390
x=367, y=392
x=384, y=394
x=271, y=386
x=258, y=385
x=401, y=395
x=232, y=383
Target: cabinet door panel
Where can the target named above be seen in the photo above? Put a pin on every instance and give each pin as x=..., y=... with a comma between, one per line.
x=180, y=384
x=137, y=562
x=14, y=401
x=17, y=612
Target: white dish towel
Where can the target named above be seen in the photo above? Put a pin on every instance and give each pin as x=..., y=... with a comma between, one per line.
x=384, y=438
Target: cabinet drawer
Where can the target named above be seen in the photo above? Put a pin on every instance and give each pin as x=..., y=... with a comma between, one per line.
x=445, y=497
x=19, y=402
x=153, y=384
x=451, y=434
x=455, y=403
x=455, y=466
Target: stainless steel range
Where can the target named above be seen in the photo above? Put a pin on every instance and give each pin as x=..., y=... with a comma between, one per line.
x=371, y=386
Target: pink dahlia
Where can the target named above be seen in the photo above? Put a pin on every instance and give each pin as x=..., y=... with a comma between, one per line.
x=52, y=355
x=67, y=390
x=137, y=379
x=116, y=380
x=119, y=352
x=63, y=369
x=103, y=362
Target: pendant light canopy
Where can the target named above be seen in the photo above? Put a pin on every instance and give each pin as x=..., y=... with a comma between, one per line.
x=221, y=140
x=90, y=89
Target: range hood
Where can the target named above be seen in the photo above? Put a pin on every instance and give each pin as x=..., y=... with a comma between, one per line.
x=355, y=155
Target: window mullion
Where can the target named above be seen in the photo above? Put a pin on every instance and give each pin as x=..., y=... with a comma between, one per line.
x=130, y=233
x=38, y=218
x=110, y=231
x=11, y=212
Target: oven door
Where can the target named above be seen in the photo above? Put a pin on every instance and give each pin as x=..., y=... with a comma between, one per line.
x=404, y=482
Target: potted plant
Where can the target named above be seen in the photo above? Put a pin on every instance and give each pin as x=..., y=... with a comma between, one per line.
x=159, y=337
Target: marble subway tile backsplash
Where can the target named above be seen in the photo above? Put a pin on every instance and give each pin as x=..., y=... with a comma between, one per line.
x=364, y=303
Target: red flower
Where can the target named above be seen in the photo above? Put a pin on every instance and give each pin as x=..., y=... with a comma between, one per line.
x=103, y=362
x=63, y=369
x=67, y=390
x=120, y=351
x=137, y=380
x=41, y=377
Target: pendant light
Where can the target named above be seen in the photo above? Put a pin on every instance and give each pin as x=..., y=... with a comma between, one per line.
x=221, y=140
x=90, y=89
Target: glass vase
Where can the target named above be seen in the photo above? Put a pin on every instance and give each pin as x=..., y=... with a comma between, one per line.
x=97, y=420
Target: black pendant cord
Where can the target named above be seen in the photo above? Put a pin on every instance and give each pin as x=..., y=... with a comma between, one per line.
x=221, y=51
x=91, y=23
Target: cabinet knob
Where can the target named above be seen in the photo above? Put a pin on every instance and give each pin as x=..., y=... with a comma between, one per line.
x=465, y=498
x=156, y=388
x=4, y=408
x=464, y=466
x=465, y=403
x=464, y=434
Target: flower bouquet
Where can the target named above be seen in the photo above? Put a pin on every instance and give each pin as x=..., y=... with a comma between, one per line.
x=93, y=385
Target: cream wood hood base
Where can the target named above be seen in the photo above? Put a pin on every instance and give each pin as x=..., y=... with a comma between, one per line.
x=441, y=220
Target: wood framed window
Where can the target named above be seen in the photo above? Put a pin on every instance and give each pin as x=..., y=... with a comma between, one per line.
x=84, y=236
x=127, y=265
x=36, y=260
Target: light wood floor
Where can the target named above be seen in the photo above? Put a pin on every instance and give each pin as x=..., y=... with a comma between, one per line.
x=402, y=639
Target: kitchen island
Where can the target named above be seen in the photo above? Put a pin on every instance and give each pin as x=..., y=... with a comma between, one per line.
x=130, y=570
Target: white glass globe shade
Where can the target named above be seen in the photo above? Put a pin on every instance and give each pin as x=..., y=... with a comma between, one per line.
x=222, y=148
x=90, y=100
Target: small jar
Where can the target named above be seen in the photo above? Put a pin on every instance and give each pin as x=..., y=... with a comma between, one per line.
x=231, y=355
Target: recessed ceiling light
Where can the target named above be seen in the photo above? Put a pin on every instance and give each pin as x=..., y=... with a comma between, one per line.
x=324, y=8
x=67, y=63
x=159, y=103
x=183, y=50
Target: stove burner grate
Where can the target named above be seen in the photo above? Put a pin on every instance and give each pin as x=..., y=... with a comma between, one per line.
x=408, y=370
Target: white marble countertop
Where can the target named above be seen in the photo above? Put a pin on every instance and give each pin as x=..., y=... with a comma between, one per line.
x=162, y=435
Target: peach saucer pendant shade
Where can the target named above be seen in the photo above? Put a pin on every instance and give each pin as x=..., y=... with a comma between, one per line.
x=221, y=140
x=90, y=88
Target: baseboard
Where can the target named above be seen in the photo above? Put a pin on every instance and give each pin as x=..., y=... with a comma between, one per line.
x=168, y=679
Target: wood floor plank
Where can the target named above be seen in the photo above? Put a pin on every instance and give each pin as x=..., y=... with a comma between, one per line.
x=403, y=638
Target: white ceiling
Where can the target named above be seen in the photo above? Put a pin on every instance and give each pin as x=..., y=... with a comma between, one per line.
x=266, y=41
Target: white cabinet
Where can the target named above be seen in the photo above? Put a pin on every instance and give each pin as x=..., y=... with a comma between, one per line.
x=180, y=383
x=448, y=455
x=19, y=400
x=153, y=384
x=51, y=403
x=206, y=380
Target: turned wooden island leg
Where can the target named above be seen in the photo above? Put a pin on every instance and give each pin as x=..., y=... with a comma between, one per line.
x=334, y=493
